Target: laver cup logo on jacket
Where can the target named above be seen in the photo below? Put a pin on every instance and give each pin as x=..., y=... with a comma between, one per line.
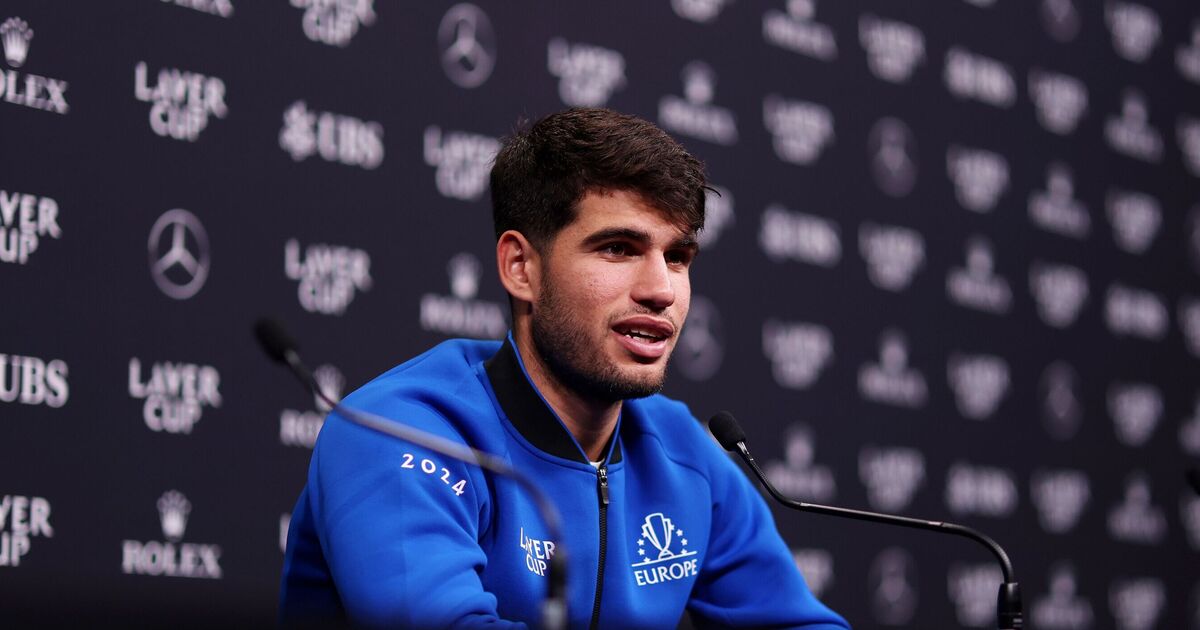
x=663, y=552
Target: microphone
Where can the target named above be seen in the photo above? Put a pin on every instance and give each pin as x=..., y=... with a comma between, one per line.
x=278, y=345
x=1008, y=604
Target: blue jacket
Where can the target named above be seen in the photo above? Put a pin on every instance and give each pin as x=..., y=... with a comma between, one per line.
x=389, y=534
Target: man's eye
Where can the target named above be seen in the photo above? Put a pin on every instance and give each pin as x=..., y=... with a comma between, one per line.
x=616, y=249
x=679, y=258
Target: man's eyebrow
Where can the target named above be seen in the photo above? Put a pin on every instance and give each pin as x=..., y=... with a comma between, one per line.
x=609, y=234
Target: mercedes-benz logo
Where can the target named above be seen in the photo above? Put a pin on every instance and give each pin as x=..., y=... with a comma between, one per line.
x=468, y=45
x=892, y=152
x=179, y=258
x=700, y=347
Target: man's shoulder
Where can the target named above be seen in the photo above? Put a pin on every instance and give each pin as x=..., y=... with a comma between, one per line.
x=672, y=423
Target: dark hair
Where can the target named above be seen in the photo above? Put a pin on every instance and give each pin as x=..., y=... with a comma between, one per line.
x=542, y=172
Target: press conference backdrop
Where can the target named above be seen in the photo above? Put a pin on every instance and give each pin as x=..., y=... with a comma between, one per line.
x=951, y=273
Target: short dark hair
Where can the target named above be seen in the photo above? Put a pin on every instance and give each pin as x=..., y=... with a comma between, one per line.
x=542, y=171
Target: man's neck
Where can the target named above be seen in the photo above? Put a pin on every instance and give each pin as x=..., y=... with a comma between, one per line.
x=591, y=422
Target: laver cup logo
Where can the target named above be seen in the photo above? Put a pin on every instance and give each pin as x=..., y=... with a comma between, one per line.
x=172, y=558
x=335, y=22
x=181, y=101
x=175, y=393
x=24, y=220
x=662, y=552
x=21, y=520
x=329, y=276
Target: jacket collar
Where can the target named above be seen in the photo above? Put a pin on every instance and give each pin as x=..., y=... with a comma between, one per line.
x=530, y=414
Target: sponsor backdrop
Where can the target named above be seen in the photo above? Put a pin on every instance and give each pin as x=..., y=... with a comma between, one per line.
x=952, y=272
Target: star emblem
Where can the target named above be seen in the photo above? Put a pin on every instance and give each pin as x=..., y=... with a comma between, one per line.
x=641, y=552
x=683, y=542
x=641, y=542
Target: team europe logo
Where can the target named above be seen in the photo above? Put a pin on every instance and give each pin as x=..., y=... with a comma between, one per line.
x=662, y=549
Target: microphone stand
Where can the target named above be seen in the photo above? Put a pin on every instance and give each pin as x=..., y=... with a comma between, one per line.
x=554, y=610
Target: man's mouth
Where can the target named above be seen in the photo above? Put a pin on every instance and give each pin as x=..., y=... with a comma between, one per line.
x=645, y=337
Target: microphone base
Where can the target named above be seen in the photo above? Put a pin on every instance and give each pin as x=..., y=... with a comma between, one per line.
x=1008, y=607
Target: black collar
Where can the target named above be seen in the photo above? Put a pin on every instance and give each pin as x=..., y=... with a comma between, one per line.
x=531, y=416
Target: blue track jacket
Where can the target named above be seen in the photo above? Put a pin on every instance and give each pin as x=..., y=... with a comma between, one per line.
x=389, y=534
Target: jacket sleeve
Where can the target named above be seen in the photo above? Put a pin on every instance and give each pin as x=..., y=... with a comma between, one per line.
x=749, y=578
x=400, y=540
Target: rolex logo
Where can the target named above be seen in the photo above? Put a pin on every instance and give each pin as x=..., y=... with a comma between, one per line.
x=173, y=509
x=15, y=35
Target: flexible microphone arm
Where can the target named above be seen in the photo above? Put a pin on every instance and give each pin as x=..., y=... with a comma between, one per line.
x=279, y=346
x=1008, y=606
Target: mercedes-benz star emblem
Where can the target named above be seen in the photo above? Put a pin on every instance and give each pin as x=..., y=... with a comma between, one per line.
x=179, y=258
x=468, y=45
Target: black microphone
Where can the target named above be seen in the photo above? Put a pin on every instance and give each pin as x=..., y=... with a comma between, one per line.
x=279, y=346
x=1008, y=604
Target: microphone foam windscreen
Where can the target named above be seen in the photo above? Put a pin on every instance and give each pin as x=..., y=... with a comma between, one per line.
x=726, y=430
x=273, y=339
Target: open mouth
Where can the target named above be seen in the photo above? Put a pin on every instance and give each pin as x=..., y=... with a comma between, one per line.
x=644, y=337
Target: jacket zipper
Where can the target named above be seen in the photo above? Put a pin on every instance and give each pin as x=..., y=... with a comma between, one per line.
x=602, y=488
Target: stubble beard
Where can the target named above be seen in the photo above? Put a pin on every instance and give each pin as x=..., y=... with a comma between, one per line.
x=578, y=362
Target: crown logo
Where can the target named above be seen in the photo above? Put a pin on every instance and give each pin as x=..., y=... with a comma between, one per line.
x=173, y=509
x=330, y=381
x=15, y=35
x=464, y=272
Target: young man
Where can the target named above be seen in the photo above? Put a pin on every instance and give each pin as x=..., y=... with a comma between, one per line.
x=596, y=215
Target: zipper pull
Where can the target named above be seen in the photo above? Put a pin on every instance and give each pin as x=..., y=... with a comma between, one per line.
x=602, y=484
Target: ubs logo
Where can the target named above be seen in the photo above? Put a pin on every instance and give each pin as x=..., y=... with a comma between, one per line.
x=891, y=381
x=1060, y=101
x=1135, y=409
x=468, y=45
x=972, y=588
x=798, y=32
x=1059, y=292
x=1135, y=29
x=701, y=347
x=893, y=254
x=718, y=215
x=800, y=130
x=799, y=352
x=1135, y=219
x=1137, y=603
x=461, y=313
x=462, y=161
x=1130, y=132
x=336, y=138
x=979, y=177
x=798, y=236
x=1056, y=209
x=974, y=77
x=1062, y=608
x=894, y=49
x=701, y=11
x=179, y=257
x=33, y=381
x=979, y=383
x=892, y=582
x=1187, y=131
x=1136, y=519
x=1061, y=19
x=695, y=115
x=1135, y=313
x=1187, y=56
x=816, y=565
x=587, y=75
x=980, y=490
x=891, y=475
x=28, y=90
x=892, y=151
x=1061, y=393
x=1059, y=497
x=335, y=22
x=798, y=475
x=977, y=285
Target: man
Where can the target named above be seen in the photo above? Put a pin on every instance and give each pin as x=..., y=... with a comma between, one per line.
x=596, y=215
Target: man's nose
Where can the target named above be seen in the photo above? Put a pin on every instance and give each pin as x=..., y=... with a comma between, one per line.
x=653, y=286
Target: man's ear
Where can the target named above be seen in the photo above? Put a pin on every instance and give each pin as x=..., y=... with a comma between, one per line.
x=519, y=266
